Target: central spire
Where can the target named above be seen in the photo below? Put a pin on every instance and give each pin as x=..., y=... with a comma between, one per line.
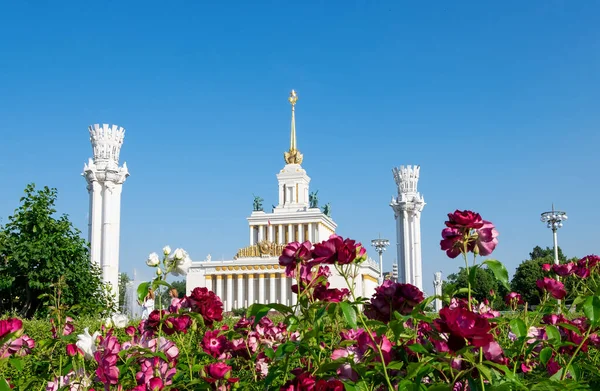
x=293, y=156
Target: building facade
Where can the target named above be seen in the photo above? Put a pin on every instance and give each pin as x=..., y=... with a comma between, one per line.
x=254, y=274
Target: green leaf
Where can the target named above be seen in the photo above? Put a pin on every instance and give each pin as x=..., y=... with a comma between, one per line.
x=17, y=363
x=499, y=271
x=440, y=387
x=4, y=385
x=258, y=311
x=553, y=333
x=142, y=291
x=158, y=282
x=485, y=371
x=518, y=327
x=418, y=348
x=591, y=309
x=570, y=327
x=473, y=275
x=349, y=314
x=545, y=355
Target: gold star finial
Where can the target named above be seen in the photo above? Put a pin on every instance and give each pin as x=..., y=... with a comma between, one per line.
x=293, y=156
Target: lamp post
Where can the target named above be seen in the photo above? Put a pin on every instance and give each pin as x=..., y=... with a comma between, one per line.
x=554, y=220
x=380, y=245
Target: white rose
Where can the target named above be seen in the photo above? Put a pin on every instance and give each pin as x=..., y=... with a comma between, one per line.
x=153, y=260
x=182, y=266
x=166, y=250
x=108, y=323
x=87, y=343
x=120, y=320
x=179, y=254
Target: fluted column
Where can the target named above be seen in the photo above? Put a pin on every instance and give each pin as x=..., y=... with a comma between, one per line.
x=283, y=289
x=310, y=233
x=219, y=290
x=208, y=283
x=229, y=304
x=250, y=289
x=261, y=233
x=240, y=291
x=281, y=238
x=301, y=233
x=272, y=277
x=290, y=233
x=106, y=232
x=270, y=233
x=261, y=288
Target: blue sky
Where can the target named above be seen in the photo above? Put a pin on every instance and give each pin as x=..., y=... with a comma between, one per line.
x=497, y=101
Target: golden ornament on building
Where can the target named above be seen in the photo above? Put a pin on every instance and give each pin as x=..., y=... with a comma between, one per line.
x=293, y=156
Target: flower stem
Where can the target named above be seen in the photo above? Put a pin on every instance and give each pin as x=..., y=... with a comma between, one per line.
x=368, y=330
x=587, y=334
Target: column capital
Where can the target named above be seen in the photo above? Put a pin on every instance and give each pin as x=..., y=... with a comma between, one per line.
x=272, y=275
x=261, y=275
x=219, y=277
x=230, y=276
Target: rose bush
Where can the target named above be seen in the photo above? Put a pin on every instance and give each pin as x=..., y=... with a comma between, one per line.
x=331, y=339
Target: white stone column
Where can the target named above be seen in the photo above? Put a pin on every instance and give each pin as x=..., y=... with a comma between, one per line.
x=251, y=235
x=281, y=191
x=219, y=288
x=281, y=238
x=271, y=233
x=261, y=233
x=250, y=289
x=406, y=258
x=261, y=288
x=229, y=304
x=95, y=222
x=208, y=282
x=115, y=239
x=272, y=287
x=290, y=233
x=106, y=232
x=310, y=233
x=301, y=233
x=240, y=291
x=283, y=288
x=317, y=237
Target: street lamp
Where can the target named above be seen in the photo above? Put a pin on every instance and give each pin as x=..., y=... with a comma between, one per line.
x=554, y=221
x=380, y=245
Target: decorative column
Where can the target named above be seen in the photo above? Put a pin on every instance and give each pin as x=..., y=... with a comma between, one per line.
x=261, y=233
x=208, y=282
x=219, y=290
x=251, y=235
x=301, y=233
x=272, y=277
x=105, y=179
x=281, y=238
x=290, y=233
x=437, y=289
x=407, y=208
x=261, y=288
x=310, y=233
x=271, y=233
x=250, y=289
x=283, y=289
x=229, y=304
x=240, y=291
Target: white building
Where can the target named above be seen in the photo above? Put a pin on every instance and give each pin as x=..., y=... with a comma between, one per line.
x=105, y=180
x=254, y=274
x=407, y=208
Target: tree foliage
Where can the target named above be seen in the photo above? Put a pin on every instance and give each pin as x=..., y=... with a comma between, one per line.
x=36, y=249
x=530, y=271
x=123, y=280
x=485, y=281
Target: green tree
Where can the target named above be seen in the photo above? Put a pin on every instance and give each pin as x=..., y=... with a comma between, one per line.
x=530, y=271
x=485, y=281
x=123, y=280
x=165, y=297
x=36, y=249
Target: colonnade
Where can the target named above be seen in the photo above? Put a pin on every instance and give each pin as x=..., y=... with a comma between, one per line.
x=240, y=290
x=286, y=233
